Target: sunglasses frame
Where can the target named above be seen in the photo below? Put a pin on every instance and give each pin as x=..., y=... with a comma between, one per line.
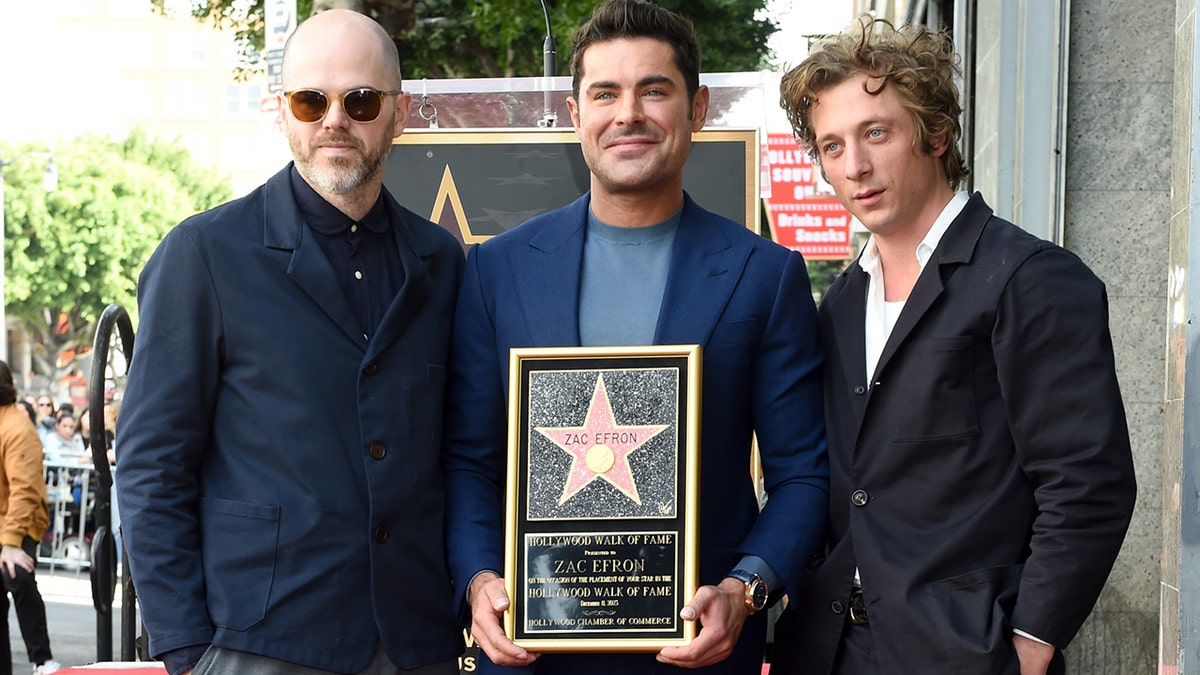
x=287, y=95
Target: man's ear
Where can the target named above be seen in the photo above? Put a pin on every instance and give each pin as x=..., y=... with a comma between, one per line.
x=403, y=101
x=938, y=145
x=573, y=110
x=700, y=108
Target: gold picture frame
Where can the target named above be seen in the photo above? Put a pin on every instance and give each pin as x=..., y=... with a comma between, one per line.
x=603, y=479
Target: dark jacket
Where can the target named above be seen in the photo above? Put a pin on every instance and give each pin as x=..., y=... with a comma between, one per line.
x=279, y=478
x=983, y=481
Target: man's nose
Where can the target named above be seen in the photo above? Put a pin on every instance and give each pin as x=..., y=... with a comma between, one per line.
x=336, y=117
x=631, y=110
x=857, y=160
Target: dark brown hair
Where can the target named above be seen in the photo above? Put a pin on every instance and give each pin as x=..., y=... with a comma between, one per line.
x=639, y=19
x=8, y=390
x=918, y=64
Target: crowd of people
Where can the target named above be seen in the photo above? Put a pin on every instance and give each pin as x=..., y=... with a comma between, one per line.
x=66, y=433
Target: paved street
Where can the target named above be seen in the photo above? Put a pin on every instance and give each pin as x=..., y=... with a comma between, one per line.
x=71, y=619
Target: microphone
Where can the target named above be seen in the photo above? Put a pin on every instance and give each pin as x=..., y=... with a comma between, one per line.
x=549, y=70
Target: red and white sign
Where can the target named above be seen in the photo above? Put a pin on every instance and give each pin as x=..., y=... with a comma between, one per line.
x=802, y=210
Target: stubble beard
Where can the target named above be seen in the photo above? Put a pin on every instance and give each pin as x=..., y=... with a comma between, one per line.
x=346, y=173
x=648, y=172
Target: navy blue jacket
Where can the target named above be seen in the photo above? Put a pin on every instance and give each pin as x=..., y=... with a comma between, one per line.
x=745, y=300
x=278, y=475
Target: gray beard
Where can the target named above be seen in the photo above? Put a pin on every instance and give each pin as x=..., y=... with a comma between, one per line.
x=340, y=180
x=345, y=175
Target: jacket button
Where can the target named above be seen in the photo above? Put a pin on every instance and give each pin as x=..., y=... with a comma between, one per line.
x=860, y=390
x=859, y=498
x=837, y=607
x=378, y=451
x=380, y=534
x=371, y=369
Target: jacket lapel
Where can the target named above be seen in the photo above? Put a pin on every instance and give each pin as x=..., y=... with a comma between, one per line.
x=847, y=306
x=414, y=247
x=546, y=276
x=954, y=250
x=309, y=268
x=705, y=268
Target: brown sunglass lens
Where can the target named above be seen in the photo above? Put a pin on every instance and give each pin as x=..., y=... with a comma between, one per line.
x=362, y=105
x=308, y=105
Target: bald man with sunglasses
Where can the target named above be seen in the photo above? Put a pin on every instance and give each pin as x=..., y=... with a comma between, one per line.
x=279, y=481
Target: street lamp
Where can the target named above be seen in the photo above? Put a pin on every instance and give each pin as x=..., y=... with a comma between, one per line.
x=50, y=184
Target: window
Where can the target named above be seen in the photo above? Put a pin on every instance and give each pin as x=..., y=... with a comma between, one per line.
x=242, y=101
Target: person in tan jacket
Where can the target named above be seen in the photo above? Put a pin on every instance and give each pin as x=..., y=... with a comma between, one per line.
x=24, y=515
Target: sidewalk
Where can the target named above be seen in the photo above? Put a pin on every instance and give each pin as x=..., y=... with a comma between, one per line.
x=70, y=618
x=70, y=587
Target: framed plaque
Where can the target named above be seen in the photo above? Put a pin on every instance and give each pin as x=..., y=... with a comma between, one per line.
x=603, y=467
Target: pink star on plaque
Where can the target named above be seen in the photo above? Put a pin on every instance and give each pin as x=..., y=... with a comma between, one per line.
x=600, y=448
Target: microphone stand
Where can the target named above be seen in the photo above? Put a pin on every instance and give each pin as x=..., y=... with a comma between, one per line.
x=549, y=70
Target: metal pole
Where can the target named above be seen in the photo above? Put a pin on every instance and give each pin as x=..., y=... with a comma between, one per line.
x=549, y=70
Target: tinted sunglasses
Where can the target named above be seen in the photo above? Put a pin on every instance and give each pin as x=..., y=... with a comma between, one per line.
x=361, y=105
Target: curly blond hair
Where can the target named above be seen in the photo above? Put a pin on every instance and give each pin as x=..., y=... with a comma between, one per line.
x=919, y=64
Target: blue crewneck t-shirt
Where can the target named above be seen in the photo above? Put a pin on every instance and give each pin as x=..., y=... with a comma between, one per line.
x=623, y=280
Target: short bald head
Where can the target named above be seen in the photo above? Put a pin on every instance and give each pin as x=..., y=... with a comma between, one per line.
x=341, y=31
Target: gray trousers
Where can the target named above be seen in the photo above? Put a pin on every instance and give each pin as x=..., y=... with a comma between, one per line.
x=218, y=661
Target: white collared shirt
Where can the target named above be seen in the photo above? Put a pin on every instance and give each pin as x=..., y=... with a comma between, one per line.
x=882, y=315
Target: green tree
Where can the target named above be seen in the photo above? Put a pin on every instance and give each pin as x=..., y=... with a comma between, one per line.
x=72, y=252
x=498, y=38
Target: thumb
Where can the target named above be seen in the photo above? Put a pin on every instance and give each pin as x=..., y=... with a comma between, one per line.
x=497, y=596
x=698, y=604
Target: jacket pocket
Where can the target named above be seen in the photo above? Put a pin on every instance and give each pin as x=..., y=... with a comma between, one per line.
x=942, y=392
x=968, y=618
x=239, y=543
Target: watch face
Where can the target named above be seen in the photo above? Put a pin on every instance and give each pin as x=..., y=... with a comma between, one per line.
x=757, y=594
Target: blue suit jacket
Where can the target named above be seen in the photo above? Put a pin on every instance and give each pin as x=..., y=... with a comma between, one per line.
x=275, y=468
x=745, y=300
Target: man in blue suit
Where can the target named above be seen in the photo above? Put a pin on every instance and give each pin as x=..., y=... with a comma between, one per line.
x=279, y=482
x=633, y=262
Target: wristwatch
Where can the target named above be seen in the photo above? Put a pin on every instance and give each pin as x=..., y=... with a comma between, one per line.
x=756, y=589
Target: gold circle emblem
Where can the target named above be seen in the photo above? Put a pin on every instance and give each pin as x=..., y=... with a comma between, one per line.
x=600, y=458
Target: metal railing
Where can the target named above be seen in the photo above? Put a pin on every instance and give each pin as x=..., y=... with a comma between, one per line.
x=104, y=548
